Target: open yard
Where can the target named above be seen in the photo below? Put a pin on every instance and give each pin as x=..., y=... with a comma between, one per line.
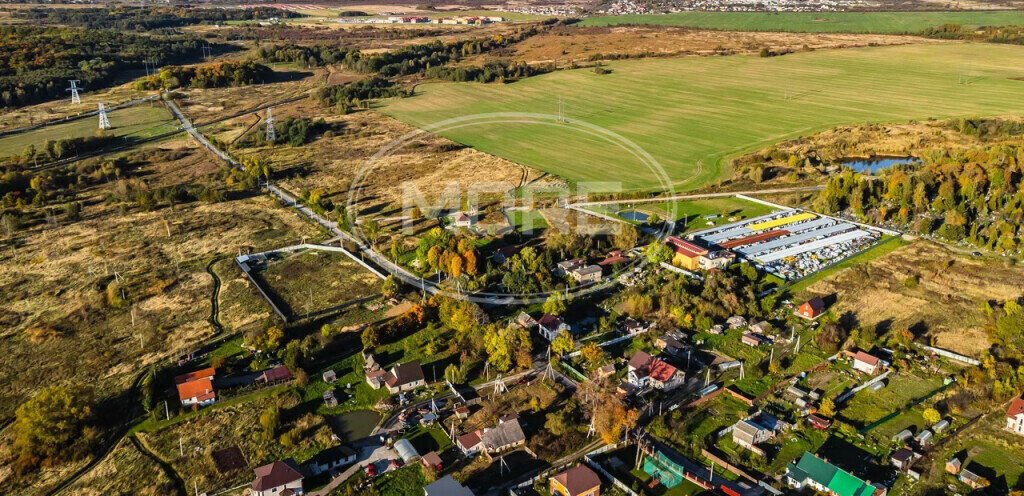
x=691, y=114
x=869, y=406
x=817, y=22
x=311, y=282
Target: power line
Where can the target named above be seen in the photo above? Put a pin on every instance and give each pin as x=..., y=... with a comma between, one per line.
x=271, y=132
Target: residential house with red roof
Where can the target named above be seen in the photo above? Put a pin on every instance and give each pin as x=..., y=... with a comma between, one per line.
x=196, y=388
x=277, y=479
x=869, y=364
x=645, y=371
x=577, y=481
x=811, y=309
x=470, y=443
x=1015, y=416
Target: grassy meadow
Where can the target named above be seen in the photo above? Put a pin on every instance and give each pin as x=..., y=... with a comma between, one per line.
x=139, y=121
x=692, y=114
x=816, y=22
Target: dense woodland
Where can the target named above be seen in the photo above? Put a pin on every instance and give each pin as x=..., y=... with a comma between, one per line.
x=216, y=75
x=974, y=196
x=37, y=63
x=143, y=18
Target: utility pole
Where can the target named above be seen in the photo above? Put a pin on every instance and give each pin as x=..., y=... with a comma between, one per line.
x=271, y=132
x=104, y=122
x=75, y=98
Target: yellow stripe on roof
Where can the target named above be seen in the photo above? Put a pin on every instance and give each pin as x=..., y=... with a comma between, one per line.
x=760, y=226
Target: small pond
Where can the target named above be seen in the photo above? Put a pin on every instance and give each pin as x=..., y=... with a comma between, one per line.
x=357, y=424
x=633, y=215
x=875, y=164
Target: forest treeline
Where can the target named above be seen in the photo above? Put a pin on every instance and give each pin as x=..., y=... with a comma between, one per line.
x=37, y=63
x=143, y=18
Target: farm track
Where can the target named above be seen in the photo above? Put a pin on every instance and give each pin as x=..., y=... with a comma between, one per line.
x=179, y=483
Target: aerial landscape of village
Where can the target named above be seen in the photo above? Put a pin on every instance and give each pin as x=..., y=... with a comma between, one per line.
x=512, y=248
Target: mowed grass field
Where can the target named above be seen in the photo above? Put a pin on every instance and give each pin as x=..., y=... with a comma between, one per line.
x=139, y=121
x=690, y=114
x=816, y=22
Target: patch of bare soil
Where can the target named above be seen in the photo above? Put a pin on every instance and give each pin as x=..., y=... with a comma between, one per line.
x=945, y=304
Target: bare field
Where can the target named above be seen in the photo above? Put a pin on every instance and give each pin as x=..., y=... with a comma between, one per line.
x=572, y=43
x=330, y=163
x=64, y=310
x=204, y=105
x=124, y=471
x=58, y=109
x=945, y=304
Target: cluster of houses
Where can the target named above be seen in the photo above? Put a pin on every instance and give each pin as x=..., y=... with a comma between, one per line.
x=580, y=270
x=196, y=388
x=285, y=478
x=455, y=20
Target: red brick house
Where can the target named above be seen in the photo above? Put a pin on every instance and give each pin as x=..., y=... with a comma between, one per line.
x=811, y=309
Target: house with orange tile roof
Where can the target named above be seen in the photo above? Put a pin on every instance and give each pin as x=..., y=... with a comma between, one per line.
x=197, y=392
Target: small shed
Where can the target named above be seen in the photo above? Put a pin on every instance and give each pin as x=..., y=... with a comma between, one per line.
x=330, y=376
x=432, y=460
x=924, y=436
x=940, y=426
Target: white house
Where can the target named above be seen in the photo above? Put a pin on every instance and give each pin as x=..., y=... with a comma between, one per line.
x=869, y=364
x=331, y=459
x=550, y=327
x=1015, y=416
x=277, y=479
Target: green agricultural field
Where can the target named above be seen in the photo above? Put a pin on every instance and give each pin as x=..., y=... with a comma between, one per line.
x=691, y=114
x=693, y=209
x=816, y=22
x=139, y=121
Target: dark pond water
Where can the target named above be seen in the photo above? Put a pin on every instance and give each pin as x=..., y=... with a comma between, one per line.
x=354, y=425
x=634, y=216
x=875, y=164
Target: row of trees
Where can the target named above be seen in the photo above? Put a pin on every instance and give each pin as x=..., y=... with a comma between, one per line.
x=123, y=18
x=36, y=63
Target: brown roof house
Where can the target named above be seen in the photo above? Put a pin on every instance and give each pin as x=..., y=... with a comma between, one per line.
x=577, y=481
x=277, y=479
x=645, y=371
x=470, y=443
x=550, y=327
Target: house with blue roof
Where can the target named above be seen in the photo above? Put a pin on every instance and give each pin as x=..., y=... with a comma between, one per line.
x=824, y=477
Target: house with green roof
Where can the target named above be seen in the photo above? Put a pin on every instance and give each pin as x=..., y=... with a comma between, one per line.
x=822, y=476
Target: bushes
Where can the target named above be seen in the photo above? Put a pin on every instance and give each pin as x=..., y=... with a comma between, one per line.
x=207, y=76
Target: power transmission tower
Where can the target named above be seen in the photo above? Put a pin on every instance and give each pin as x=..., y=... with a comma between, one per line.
x=75, y=99
x=561, y=110
x=207, y=52
x=271, y=132
x=104, y=122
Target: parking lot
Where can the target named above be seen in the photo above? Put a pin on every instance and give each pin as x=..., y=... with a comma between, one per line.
x=790, y=243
